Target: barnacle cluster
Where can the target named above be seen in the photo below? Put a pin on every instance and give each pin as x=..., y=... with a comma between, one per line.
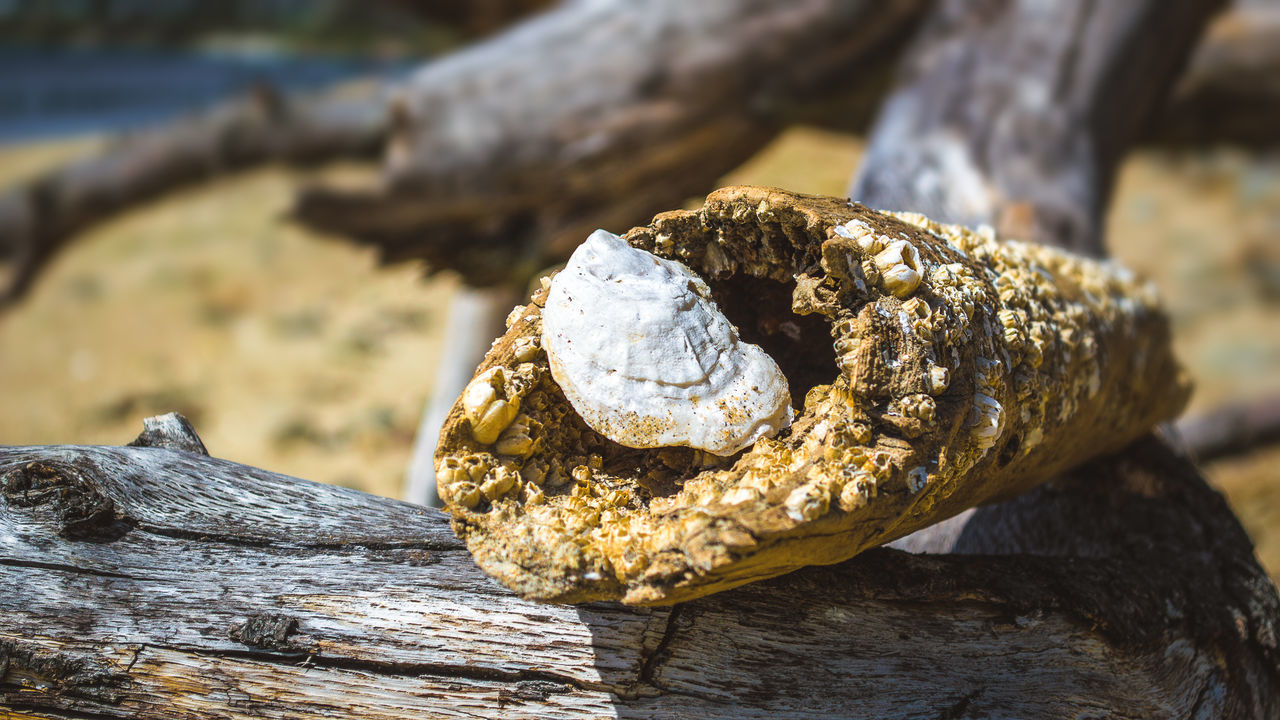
x=936, y=367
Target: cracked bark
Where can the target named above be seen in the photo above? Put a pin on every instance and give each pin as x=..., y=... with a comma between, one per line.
x=369, y=607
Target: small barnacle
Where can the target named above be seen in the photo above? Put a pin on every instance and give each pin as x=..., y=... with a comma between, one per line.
x=477, y=466
x=464, y=493
x=986, y=417
x=807, y=502
x=919, y=406
x=859, y=487
x=862, y=235
x=534, y=471
x=499, y=482
x=517, y=439
x=939, y=379
x=899, y=266
x=525, y=349
x=486, y=405
x=450, y=470
x=917, y=478
x=917, y=308
x=532, y=495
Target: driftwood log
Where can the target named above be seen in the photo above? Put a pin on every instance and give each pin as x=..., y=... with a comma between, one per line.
x=503, y=157
x=153, y=582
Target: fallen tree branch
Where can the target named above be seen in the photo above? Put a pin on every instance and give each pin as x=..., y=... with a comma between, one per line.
x=1233, y=429
x=1228, y=95
x=599, y=114
x=39, y=216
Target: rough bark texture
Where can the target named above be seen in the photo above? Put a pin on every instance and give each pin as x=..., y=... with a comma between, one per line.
x=39, y=216
x=601, y=114
x=152, y=583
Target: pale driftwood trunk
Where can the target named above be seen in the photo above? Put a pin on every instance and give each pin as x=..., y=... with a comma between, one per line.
x=148, y=582
x=600, y=114
x=1230, y=94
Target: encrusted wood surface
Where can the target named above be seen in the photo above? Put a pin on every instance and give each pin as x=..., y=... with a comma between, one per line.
x=146, y=582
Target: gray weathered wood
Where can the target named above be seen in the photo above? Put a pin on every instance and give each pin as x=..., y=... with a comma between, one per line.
x=148, y=582
x=1016, y=113
x=503, y=157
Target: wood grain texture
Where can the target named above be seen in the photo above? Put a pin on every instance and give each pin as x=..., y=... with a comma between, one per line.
x=1016, y=113
x=148, y=582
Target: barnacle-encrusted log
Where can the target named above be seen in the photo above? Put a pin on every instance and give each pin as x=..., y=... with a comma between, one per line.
x=963, y=369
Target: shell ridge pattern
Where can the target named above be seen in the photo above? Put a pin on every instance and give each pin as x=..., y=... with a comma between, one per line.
x=648, y=360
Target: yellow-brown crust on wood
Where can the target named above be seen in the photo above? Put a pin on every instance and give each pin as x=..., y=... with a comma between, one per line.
x=963, y=370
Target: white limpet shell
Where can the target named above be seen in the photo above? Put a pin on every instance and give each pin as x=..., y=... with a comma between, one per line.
x=647, y=359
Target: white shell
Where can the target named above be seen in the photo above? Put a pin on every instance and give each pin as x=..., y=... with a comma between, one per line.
x=648, y=360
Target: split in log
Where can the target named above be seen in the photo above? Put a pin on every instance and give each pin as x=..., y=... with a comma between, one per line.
x=146, y=582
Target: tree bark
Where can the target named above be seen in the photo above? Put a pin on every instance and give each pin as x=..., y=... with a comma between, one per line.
x=147, y=582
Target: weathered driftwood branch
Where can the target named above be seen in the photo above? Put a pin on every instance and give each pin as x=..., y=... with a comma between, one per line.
x=963, y=370
x=146, y=582
x=39, y=216
x=1230, y=92
x=1016, y=114
x=1233, y=429
x=600, y=114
